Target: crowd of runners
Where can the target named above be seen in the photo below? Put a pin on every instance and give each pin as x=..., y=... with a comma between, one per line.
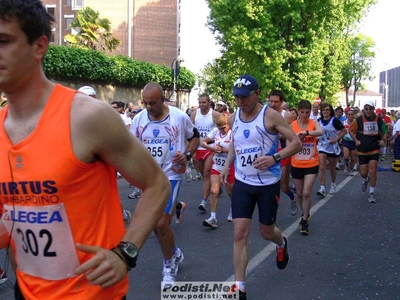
x=62, y=151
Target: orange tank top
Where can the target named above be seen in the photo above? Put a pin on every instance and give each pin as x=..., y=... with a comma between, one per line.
x=52, y=201
x=308, y=156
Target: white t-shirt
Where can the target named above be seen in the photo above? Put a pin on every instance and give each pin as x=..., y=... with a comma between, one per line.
x=396, y=127
x=163, y=139
x=127, y=121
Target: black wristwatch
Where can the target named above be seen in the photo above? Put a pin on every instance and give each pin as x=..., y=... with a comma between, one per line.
x=277, y=157
x=188, y=156
x=130, y=253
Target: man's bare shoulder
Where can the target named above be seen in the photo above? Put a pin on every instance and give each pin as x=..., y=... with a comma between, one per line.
x=272, y=118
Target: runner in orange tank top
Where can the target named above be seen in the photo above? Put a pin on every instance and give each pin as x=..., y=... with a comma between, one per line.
x=305, y=163
x=59, y=150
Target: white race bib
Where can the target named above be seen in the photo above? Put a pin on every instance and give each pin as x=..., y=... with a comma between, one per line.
x=158, y=148
x=43, y=240
x=307, y=152
x=245, y=162
x=370, y=128
x=219, y=161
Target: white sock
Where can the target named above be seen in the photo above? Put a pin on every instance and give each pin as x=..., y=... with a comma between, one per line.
x=213, y=215
x=283, y=244
x=371, y=189
x=241, y=285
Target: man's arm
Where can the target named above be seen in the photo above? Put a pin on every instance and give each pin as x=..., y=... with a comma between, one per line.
x=353, y=131
x=274, y=121
x=289, y=117
x=98, y=132
x=215, y=116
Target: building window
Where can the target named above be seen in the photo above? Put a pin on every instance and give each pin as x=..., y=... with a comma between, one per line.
x=68, y=2
x=51, y=11
x=77, y=4
x=68, y=21
x=52, y=39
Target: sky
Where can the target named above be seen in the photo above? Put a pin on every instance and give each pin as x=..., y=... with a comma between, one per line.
x=198, y=46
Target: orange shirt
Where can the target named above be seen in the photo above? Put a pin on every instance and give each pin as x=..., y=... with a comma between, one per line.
x=308, y=156
x=53, y=201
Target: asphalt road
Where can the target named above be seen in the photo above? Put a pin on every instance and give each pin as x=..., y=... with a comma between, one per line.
x=352, y=252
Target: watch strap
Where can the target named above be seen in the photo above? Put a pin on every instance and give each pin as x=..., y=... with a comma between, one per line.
x=188, y=156
x=128, y=268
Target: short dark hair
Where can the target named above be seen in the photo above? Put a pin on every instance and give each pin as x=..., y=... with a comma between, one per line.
x=339, y=108
x=304, y=104
x=31, y=16
x=205, y=96
x=278, y=93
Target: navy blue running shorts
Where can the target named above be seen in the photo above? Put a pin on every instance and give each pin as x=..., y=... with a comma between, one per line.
x=349, y=144
x=245, y=197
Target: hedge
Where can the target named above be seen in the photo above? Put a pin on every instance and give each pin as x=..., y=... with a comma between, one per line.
x=68, y=63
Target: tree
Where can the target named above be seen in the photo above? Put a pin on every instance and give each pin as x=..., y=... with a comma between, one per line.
x=294, y=45
x=359, y=65
x=215, y=81
x=93, y=32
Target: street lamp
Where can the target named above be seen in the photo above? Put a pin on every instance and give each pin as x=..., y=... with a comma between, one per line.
x=175, y=66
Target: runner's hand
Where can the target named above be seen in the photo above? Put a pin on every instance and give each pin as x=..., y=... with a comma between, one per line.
x=105, y=268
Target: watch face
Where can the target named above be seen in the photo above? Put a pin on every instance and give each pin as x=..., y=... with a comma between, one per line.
x=131, y=250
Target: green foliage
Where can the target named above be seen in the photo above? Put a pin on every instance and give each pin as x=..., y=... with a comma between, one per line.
x=93, y=32
x=294, y=45
x=63, y=62
x=359, y=64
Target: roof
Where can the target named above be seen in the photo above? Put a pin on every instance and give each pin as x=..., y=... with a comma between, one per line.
x=365, y=93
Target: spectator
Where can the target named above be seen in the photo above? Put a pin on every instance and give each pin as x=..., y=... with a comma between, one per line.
x=396, y=139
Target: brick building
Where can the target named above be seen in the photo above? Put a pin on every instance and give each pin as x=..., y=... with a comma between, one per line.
x=389, y=86
x=148, y=29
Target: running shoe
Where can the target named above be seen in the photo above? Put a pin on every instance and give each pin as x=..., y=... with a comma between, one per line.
x=127, y=218
x=293, y=189
x=293, y=207
x=308, y=219
x=203, y=206
x=229, y=218
x=304, y=227
x=321, y=192
x=198, y=177
x=119, y=176
x=337, y=166
x=3, y=276
x=179, y=216
x=188, y=173
x=177, y=258
x=282, y=255
x=136, y=194
x=332, y=191
x=383, y=157
x=210, y=222
x=371, y=198
x=168, y=277
x=242, y=295
x=347, y=170
x=364, y=184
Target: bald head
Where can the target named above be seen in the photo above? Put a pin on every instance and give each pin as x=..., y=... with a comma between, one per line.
x=154, y=88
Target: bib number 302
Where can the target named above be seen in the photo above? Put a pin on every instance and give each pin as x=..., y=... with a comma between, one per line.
x=30, y=242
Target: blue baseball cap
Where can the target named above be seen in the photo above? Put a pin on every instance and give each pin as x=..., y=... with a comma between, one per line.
x=244, y=85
